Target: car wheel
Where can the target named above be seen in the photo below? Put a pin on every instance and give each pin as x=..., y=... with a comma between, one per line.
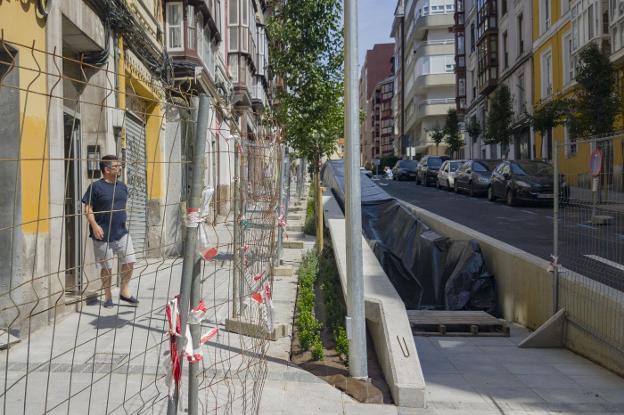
x=491, y=196
x=438, y=184
x=425, y=182
x=511, y=198
x=455, y=188
x=448, y=185
x=471, y=191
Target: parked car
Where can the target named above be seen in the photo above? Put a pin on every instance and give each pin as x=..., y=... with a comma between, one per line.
x=474, y=176
x=367, y=172
x=525, y=180
x=446, y=175
x=427, y=170
x=404, y=169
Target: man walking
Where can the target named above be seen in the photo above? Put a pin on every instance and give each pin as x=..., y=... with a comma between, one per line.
x=105, y=208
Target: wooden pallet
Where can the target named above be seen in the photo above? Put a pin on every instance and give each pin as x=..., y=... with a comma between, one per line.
x=456, y=323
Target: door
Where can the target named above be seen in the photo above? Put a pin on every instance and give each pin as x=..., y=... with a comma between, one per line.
x=72, y=205
x=136, y=180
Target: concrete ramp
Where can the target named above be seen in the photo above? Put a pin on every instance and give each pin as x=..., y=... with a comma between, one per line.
x=386, y=317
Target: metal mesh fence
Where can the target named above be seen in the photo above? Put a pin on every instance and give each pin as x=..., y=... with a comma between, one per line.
x=61, y=349
x=589, y=237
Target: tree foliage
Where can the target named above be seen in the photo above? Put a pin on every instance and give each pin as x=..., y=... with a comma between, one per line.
x=593, y=108
x=500, y=117
x=452, y=134
x=437, y=135
x=473, y=128
x=306, y=54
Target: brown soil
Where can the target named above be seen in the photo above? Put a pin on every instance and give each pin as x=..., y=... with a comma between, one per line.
x=334, y=371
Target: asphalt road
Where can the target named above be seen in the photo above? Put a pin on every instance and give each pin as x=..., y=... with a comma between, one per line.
x=594, y=251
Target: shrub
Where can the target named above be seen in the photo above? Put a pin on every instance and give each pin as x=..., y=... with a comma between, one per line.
x=342, y=343
x=309, y=227
x=318, y=353
x=308, y=327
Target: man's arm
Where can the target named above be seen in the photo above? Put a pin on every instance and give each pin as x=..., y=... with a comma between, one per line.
x=98, y=232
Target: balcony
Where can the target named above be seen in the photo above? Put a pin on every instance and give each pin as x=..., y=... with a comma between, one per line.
x=434, y=47
x=258, y=95
x=426, y=22
x=430, y=108
x=433, y=80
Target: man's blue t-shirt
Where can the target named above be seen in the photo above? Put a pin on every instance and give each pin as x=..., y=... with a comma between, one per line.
x=110, y=200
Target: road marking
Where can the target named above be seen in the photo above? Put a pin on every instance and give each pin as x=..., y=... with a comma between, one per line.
x=606, y=261
x=548, y=217
x=582, y=225
x=529, y=212
x=382, y=184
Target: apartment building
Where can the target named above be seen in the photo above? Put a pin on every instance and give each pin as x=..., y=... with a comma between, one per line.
x=398, y=69
x=383, y=121
x=376, y=69
x=493, y=47
x=428, y=65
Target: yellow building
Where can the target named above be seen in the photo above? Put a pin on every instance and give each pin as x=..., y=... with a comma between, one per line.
x=560, y=31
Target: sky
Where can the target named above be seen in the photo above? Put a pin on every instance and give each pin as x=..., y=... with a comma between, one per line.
x=374, y=24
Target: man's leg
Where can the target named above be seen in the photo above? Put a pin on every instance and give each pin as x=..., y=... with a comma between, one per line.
x=107, y=276
x=126, y=275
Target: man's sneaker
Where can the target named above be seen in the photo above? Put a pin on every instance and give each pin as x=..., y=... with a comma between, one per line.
x=108, y=303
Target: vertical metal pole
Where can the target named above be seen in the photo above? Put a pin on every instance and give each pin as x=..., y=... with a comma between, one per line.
x=358, y=367
x=282, y=208
x=556, y=229
x=189, y=266
x=236, y=243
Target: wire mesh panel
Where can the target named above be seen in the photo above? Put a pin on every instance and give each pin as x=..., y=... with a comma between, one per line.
x=64, y=348
x=590, y=237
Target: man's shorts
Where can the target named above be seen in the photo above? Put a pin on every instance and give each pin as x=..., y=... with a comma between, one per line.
x=104, y=252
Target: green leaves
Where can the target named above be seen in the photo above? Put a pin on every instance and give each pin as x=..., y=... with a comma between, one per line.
x=500, y=117
x=306, y=40
x=452, y=135
x=473, y=128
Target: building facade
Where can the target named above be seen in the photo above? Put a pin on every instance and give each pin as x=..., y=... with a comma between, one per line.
x=429, y=84
x=376, y=69
x=494, y=47
x=81, y=79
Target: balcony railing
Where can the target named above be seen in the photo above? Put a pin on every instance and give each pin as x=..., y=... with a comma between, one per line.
x=437, y=101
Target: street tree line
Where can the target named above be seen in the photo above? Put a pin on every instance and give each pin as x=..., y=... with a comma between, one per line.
x=591, y=110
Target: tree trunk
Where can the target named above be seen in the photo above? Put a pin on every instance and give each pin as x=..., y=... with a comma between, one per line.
x=319, y=210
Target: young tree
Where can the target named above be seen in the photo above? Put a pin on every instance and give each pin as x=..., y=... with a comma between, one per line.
x=437, y=135
x=473, y=128
x=452, y=134
x=596, y=103
x=500, y=116
x=307, y=55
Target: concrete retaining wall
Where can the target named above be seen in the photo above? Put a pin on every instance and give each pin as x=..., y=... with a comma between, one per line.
x=386, y=318
x=525, y=292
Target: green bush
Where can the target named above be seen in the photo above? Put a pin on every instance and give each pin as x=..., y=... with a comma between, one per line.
x=308, y=327
x=342, y=343
x=309, y=227
x=318, y=353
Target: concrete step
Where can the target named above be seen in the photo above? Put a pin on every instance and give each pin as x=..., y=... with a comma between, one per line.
x=295, y=217
x=294, y=228
x=283, y=271
x=295, y=235
x=292, y=244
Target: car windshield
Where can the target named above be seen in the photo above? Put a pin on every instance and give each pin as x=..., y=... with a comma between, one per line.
x=434, y=162
x=532, y=169
x=408, y=164
x=481, y=167
x=454, y=165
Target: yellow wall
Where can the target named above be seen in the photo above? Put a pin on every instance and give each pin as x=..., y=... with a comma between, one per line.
x=21, y=24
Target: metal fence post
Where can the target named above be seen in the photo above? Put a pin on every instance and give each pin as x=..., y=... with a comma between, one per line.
x=190, y=280
x=556, y=229
x=358, y=365
x=282, y=208
x=236, y=229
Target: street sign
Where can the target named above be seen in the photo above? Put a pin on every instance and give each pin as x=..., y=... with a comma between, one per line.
x=595, y=162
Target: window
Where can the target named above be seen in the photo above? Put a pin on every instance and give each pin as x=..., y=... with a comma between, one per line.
x=520, y=35
x=503, y=7
x=570, y=145
x=174, y=26
x=546, y=81
x=233, y=12
x=472, y=37
x=505, y=51
x=544, y=6
x=521, y=94
x=590, y=21
x=565, y=6
x=191, y=23
x=568, y=69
